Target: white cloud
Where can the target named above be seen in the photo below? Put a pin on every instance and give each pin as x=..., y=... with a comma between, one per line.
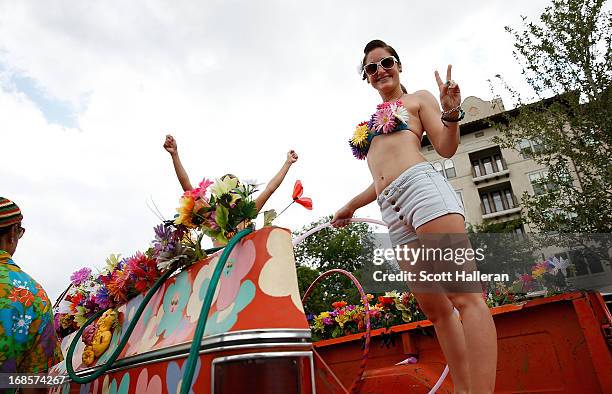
x=238, y=83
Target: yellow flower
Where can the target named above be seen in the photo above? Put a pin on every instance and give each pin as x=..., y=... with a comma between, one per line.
x=536, y=273
x=323, y=315
x=185, y=211
x=360, y=136
x=369, y=296
x=341, y=319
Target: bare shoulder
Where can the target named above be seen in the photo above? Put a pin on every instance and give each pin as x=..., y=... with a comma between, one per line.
x=424, y=95
x=426, y=99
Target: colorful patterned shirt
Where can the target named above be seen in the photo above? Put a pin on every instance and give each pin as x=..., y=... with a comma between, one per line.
x=28, y=342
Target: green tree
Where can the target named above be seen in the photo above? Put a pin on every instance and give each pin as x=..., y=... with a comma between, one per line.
x=316, y=302
x=565, y=58
x=504, y=250
x=348, y=248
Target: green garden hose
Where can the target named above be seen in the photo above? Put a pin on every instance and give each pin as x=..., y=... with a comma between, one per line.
x=104, y=368
x=194, y=351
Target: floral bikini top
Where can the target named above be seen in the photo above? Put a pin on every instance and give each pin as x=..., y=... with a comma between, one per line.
x=388, y=118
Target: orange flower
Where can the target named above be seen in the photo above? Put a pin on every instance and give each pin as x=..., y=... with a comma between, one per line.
x=338, y=304
x=117, y=286
x=23, y=296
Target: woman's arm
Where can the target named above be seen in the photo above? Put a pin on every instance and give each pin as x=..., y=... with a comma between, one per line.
x=346, y=212
x=276, y=181
x=181, y=174
x=444, y=138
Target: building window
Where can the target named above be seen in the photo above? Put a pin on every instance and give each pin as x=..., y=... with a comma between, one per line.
x=486, y=209
x=539, y=183
x=509, y=198
x=498, y=162
x=519, y=231
x=449, y=169
x=488, y=165
x=582, y=262
x=460, y=198
x=525, y=148
x=528, y=147
x=497, y=201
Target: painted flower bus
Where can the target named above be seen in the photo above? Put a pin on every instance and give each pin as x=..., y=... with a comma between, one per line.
x=234, y=322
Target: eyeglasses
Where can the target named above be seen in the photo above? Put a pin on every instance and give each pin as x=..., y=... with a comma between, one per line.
x=386, y=63
x=20, y=232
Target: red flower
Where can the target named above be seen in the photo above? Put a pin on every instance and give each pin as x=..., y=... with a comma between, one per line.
x=143, y=271
x=298, y=189
x=75, y=300
x=386, y=301
x=23, y=296
x=338, y=304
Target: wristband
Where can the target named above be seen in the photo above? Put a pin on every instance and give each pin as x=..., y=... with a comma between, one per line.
x=444, y=119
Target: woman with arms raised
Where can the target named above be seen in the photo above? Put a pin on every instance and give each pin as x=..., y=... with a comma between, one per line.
x=417, y=201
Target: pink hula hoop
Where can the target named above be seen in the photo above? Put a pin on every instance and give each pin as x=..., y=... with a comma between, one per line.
x=358, y=382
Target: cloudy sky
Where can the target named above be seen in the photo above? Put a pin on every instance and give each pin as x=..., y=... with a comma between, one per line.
x=88, y=91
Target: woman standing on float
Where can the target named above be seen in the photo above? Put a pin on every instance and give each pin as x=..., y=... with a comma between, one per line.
x=416, y=200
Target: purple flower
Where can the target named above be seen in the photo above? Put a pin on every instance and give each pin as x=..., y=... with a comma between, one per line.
x=359, y=153
x=121, y=264
x=103, y=298
x=80, y=276
x=165, y=242
x=162, y=232
x=328, y=321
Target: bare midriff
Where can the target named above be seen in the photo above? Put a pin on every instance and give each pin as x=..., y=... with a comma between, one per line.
x=392, y=154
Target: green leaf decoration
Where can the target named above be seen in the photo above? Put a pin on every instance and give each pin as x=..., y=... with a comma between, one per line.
x=222, y=216
x=269, y=217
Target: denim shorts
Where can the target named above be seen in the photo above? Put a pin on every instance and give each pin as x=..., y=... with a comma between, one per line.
x=418, y=195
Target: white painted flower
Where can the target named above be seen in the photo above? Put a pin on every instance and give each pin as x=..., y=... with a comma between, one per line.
x=194, y=306
x=21, y=323
x=20, y=284
x=277, y=277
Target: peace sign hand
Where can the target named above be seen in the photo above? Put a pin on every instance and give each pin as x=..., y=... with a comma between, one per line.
x=450, y=95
